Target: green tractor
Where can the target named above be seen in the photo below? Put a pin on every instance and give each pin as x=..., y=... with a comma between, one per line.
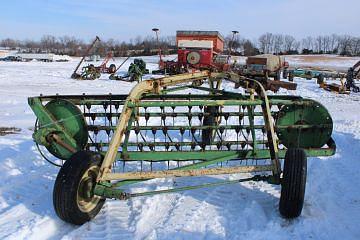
x=135, y=72
x=89, y=72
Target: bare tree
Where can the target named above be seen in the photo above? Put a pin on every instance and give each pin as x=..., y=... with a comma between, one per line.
x=249, y=48
x=289, y=42
x=278, y=43
x=265, y=42
x=9, y=43
x=308, y=43
x=345, y=45
x=48, y=42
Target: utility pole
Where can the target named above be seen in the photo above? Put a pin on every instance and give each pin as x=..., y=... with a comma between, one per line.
x=230, y=44
x=156, y=30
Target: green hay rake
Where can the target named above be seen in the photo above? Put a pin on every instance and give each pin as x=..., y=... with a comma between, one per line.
x=178, y=126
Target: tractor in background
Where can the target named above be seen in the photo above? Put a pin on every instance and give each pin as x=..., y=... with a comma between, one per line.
x=135, y=72
x=91, y=72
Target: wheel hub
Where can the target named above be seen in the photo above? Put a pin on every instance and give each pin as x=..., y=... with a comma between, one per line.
x=86, y=199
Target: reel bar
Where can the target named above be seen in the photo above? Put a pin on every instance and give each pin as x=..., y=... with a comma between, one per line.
x=260, y=154
x=120, y=99
x=177, y=114
x=172, y=144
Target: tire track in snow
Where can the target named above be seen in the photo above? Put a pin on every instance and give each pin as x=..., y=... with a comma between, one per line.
x=113, y=222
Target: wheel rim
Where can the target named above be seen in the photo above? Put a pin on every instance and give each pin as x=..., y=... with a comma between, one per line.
x=86, y=200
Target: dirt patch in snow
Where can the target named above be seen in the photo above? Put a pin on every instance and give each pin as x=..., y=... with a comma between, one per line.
x=9, y=130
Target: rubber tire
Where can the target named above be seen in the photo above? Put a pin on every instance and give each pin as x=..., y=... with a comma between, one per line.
x=285, y=74
x=66, y=184
x=291, y=76
x=320, y=79
x=293, y=183
x=208, y=134
x=277, y=76
x=112, y=68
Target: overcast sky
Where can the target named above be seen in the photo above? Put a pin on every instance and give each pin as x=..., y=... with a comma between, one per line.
x=125, y=19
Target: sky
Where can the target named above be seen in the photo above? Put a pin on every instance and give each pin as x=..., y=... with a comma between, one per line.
x=126, y=19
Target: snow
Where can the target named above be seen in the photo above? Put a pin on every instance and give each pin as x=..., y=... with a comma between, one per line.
x=247, y=210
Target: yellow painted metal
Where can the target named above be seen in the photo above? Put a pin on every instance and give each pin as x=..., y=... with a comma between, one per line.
x=147, y=86
x=187, y=173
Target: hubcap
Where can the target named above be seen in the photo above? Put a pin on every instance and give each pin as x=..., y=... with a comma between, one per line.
x=86, y=199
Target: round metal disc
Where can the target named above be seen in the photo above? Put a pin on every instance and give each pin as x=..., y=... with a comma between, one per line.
x=193, y=58
x=314, y=137
x=73, y=123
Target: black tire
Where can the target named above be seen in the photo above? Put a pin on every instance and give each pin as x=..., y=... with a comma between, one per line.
x=112, y=68
x=277, y=76
x=285, y=73
x=293, y=183
x=320, y=79
x=67, y=197
x=291, y=76
x=209, y=120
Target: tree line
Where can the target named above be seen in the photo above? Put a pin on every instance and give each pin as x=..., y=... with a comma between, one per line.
x=266, y=43
x=77, y=47
x=345, y=45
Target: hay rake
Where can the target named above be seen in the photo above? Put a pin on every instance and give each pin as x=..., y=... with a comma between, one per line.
x=178, y=126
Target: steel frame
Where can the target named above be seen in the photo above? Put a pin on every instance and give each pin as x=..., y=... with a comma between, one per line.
x=146, y=94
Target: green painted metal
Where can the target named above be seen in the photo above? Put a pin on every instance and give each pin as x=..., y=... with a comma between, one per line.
x=259, y=154
x=64, y=119
x=316, y=118
x=281, y=125
x=314, y=73
x=89, y=72
x=190, y=102
x=110, y=192
x=137, y=69
x=99, y=114
x=220, y=157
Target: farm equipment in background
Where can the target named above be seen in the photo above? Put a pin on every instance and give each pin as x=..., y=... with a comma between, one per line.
x=91, y=72
x=197, y=50
x=103, y=68
x=356, y=70
x=345, y=87
x=75, y=75
x=334, y=87
x=105, y=143
x=352, y=74
x=310, y=73
x=201, y=50
x=135, y=72
x=262, y=67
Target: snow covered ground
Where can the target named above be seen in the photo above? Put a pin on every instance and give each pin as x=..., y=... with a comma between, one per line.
x=246, y=210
